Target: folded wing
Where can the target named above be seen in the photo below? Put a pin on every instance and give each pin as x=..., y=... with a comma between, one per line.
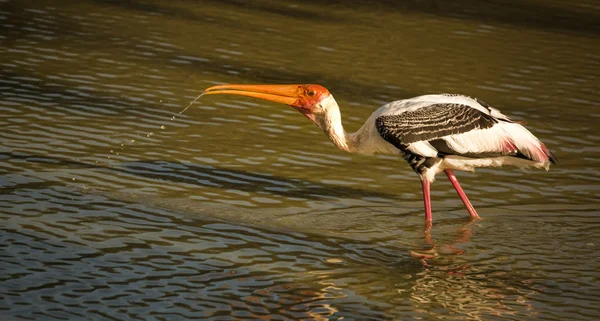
x=442, y=129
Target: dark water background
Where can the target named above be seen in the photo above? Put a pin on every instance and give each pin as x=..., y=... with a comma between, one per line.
x=111, y=209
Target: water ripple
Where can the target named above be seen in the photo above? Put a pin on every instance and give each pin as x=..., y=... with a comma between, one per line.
x=114, y=206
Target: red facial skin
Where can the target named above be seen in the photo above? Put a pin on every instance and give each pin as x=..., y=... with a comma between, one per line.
x=308, y=97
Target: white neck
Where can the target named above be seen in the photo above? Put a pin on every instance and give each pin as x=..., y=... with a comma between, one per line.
x=366, y=140
x=330, y=121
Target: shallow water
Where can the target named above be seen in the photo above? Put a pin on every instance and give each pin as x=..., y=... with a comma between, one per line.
x=115, y=207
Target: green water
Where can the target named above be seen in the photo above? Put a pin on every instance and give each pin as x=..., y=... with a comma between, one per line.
x=111, y=208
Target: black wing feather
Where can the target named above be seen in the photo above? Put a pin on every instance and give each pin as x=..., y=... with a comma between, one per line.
x=430, y=123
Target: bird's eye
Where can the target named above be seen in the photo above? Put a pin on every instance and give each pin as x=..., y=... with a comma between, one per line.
x=311, y=93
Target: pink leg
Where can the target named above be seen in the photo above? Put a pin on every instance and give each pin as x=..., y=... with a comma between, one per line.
x=427, y=199
x=461, y=193
x=428, y=254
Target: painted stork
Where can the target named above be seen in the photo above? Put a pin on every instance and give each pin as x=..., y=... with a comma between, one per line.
x=433, y=133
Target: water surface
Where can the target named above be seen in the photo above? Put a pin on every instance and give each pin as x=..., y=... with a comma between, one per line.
x=115, y=207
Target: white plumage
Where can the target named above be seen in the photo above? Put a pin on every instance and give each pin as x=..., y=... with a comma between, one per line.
x=504, y=136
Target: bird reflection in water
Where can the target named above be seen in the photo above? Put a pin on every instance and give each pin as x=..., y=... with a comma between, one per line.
x=447, y=284
x=464, y=233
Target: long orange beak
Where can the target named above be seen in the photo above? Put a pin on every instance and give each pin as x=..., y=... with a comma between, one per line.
x=284, y=94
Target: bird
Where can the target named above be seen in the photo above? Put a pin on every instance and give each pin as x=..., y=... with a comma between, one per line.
x=434, y=133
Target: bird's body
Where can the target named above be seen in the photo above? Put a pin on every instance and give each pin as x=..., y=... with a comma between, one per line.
x=464, y=133
x=433, y=133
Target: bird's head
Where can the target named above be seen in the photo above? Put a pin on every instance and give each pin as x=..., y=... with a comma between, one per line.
x=313, y=101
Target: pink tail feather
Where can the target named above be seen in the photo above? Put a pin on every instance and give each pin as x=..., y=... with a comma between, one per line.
x=523, y=141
